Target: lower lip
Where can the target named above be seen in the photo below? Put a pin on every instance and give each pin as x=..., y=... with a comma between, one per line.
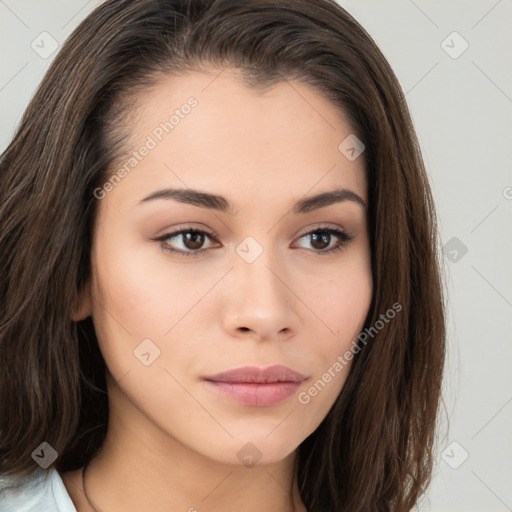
x=255, y=394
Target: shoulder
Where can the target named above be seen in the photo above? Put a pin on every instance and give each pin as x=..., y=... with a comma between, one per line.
x=42, y=491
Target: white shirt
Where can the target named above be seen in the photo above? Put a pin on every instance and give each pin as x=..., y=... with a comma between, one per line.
x=44, y=491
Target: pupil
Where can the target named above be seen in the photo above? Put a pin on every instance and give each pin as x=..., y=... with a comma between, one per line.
x=324, y=238
x=196, y=244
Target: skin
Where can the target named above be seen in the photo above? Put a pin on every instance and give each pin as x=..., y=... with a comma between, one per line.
x=172, y=443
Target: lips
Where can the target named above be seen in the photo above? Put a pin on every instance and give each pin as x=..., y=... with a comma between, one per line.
x=256, y=387
x=253, y=374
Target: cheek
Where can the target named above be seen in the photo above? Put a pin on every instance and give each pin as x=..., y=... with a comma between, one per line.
x=341, y=307
x=138, y=297
x=135, y=286
x=343, y=301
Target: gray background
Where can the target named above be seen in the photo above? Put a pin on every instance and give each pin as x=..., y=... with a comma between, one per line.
x=461, y=102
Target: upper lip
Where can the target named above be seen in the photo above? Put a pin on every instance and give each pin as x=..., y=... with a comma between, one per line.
x=274, y=373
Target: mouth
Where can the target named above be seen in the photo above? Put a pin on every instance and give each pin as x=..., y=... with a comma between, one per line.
x=258, y=387
x=274, y=373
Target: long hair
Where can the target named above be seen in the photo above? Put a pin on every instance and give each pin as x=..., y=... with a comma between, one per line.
x=374, y=449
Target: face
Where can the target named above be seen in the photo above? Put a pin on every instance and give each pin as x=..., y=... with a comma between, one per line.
x=187, y=287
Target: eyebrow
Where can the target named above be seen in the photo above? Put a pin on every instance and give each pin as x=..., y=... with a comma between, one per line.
x=221, y=204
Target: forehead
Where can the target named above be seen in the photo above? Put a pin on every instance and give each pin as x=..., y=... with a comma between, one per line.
x=283, y=142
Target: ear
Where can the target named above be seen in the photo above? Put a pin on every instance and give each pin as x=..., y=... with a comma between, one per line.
x=85, y=306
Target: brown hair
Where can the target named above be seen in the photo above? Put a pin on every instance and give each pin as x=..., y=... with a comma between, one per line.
x=374, y=449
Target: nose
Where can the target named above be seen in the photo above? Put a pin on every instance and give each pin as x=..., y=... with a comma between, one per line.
x=259, y=301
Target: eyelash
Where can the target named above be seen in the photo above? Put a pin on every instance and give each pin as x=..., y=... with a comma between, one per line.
x=343, y=236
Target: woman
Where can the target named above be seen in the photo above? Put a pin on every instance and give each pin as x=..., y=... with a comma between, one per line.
x=220, y=284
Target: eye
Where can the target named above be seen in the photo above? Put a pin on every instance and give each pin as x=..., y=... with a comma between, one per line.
x=322, y=237
x=193, y=239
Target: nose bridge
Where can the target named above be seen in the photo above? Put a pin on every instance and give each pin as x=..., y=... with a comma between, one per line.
x=258, y=268
x=259, y=298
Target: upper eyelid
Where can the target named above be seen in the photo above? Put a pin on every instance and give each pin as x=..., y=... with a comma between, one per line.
x=213, y=234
